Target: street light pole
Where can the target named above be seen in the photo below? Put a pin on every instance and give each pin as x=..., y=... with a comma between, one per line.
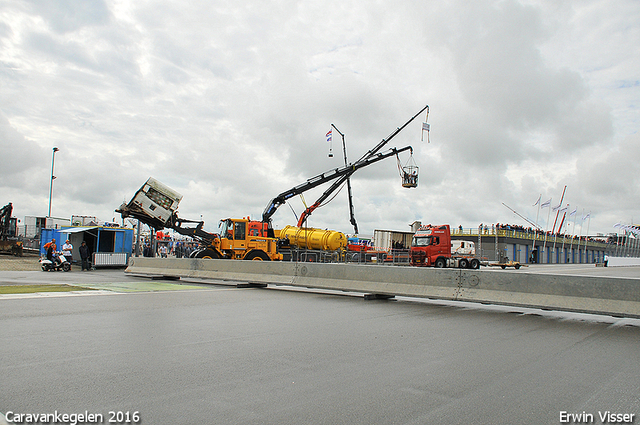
x=53, y=159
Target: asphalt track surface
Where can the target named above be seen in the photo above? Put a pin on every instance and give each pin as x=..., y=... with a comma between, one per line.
x=194, y=352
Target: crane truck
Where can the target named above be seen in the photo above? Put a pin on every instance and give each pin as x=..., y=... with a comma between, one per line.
x=432, y=246
x=156, y=205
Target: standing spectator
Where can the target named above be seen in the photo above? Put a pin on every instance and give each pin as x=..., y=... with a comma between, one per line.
x=84, y=255
x=67, y=251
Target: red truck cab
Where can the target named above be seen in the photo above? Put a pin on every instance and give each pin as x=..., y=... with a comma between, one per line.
x=431, y=246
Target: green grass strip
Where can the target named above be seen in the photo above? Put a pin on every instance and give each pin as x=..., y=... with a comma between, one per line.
x=30, y=289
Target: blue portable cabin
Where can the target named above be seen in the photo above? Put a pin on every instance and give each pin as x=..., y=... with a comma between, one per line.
x=106, y=243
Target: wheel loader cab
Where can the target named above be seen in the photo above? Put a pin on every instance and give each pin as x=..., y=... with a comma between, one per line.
x=233, y=230
x=244, y=239
x=233, y=238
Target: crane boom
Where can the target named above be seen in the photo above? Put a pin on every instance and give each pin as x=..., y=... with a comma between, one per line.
x=342, y=174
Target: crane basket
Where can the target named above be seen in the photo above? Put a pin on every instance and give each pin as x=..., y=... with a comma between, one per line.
x=409, y=173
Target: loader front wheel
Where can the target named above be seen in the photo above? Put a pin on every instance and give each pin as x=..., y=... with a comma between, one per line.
x=207, y=254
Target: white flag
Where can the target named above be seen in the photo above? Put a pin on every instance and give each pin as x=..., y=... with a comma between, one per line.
x=426, y=127
x=538, y=201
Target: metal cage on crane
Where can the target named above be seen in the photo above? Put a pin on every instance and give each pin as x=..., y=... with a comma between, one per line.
x=409, y=172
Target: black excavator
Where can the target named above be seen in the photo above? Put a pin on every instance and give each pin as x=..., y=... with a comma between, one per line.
x=9, y=243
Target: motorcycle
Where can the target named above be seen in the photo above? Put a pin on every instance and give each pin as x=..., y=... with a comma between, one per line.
x=59, y=263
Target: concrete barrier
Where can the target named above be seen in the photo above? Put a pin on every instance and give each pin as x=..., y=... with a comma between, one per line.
x=603, y=295
x=623, y=261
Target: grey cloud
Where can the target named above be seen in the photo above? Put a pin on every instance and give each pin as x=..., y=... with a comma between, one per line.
x=229, y=103
x=71, y=15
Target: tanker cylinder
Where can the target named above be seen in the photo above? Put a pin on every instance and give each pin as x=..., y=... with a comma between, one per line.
x=310, y=238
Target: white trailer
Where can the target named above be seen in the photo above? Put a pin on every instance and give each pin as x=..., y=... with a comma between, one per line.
x=387, y=240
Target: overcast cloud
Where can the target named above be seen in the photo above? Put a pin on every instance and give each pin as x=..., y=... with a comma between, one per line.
x=229, y=105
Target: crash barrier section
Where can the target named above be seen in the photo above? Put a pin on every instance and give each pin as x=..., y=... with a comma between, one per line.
x=102, y=259
x=623, y=261
x=601, y=295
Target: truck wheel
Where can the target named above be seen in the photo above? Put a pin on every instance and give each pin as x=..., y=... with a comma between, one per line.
x=207, y=254
x=475, y=264
x=257, y=255
x=440, y=263
x=463, y=263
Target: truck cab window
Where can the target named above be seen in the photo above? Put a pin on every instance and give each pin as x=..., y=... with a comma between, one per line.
x=421, y=241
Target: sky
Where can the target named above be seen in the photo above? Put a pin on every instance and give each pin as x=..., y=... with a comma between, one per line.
x=229, y=104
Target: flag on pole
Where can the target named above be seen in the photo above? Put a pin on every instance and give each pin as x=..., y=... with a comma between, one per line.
x=538, y=201
x=329, y=134
x=546, y=204
x=557, y=207
x=573, y=212
x=586, y=216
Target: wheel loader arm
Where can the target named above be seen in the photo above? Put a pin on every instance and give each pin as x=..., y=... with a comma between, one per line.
x=175, y=223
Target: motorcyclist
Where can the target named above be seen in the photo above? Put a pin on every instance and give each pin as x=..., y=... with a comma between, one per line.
x=51, y=248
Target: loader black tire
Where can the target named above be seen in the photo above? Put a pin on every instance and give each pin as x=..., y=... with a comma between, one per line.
x=257, y=255
x=207, y=253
